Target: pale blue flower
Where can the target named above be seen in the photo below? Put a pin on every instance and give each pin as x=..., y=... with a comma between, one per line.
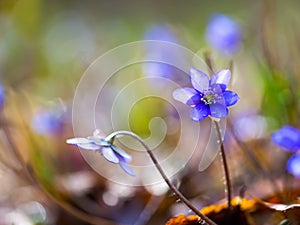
x=288, y=138
x=293, y=165
x=48, y=121
x=110, y=152
x=2, y=97
x=224, y=34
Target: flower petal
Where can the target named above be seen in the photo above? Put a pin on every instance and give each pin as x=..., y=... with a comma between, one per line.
x=75, y=141
x=89, y=146
x=184, y=94
x=230, y=98
x=110, y=155
x=218, y=110
x=221, y=77
x=126, y=168
x=199, y=80
x=288, y=138
x=200, y=112
x=122, y=153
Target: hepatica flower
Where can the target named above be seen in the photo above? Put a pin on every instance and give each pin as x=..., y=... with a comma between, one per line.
x=2, y=97
x=287, y=138
x=110, y=152
x=48, y=121
x=223, y=34
x=208, y=97
x=293, y=165
x=161, y=52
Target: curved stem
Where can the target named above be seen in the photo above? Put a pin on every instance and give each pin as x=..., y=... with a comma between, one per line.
x=166, y=179
x=225, y=166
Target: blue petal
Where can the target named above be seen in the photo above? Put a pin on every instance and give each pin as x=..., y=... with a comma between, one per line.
x=293, y=165
x=122, y=153
x=288, y=138
x=200, y=112
x=218, y=110
x=126, y=168
x=230, y=98
x=89, y=146
x=195, y=99
x=218, y=89
x=199, y=80
x=221, y=77
x=184, y=94
x=110, y=155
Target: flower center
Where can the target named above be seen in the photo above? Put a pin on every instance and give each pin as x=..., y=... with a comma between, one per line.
x=210, y=97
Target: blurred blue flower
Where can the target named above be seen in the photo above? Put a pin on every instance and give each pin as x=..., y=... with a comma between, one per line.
x=161, y=32
x=288, y=138
x=2, y=97
x=48, y=122
x=208, y=96
x=224, y=34
x=293, y=165
x=109, y=151
x=162, y=52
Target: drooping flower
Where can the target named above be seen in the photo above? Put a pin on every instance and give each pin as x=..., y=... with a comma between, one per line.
x=288, y=138
x=293, y=165
x=208, y=97
x=109, y=151
x=224, y=34
x=48, y=121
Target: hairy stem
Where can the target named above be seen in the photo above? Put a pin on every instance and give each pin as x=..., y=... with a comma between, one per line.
x=225, y=165
x=166, y=179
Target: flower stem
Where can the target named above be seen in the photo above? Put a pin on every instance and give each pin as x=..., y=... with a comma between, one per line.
x=225, y=166
x=166, y=179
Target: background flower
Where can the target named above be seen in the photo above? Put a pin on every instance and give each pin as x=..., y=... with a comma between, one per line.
x=287, y=138
x=224, y=34
x=162, y=53
x=48, y=121
x=2, y=96
x=293, y=165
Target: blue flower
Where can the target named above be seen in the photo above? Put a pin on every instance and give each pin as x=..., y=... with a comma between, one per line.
x=160, y=52
x=293, y=165
x=2, y=97
x=109, y=151
x=288, y=138
x=48, y=121
x=161, y=32
x=208, y=97
x=224, y=34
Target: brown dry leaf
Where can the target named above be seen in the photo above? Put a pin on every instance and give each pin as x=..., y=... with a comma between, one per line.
x=183, y=220
x=291, y=211
x=219, y=213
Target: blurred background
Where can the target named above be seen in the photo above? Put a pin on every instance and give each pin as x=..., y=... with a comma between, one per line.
x=45, y=48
